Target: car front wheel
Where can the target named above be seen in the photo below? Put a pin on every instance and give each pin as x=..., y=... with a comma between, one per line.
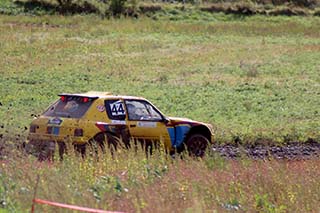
x=196, y=145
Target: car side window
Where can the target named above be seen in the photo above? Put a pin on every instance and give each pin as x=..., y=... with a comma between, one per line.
x=115, y=109
x=141, y=111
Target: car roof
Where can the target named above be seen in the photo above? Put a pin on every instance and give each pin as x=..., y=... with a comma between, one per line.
x=97, y=94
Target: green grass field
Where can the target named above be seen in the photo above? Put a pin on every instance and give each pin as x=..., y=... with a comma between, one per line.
x=254, y=78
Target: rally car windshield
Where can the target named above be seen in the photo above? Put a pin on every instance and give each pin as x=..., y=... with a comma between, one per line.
x=72, y=107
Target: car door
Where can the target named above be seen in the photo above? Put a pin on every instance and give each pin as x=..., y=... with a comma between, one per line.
x=146, y=122
x=117, y=114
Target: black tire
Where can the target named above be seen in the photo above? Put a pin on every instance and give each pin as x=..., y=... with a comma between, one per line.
x=101, y=142
x=42, y=150
x=196, y=145
x=47, y=150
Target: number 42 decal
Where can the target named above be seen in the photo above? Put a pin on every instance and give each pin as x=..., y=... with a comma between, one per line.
x=117, y=108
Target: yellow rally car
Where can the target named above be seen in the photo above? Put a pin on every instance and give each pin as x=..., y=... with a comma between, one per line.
x=100, y=118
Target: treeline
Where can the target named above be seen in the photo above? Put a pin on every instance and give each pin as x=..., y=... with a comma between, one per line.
x=134, y=8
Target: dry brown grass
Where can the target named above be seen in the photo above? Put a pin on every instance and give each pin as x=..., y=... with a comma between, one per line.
x=132, y=183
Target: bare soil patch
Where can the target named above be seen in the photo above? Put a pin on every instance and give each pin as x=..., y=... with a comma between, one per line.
x=290, y=151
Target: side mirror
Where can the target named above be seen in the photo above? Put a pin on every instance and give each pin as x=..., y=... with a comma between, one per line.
x=166, y=120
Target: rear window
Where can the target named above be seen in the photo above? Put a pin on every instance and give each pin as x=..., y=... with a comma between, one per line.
x=70, y=107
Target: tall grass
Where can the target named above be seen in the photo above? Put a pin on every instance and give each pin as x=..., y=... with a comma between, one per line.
x=131, y=182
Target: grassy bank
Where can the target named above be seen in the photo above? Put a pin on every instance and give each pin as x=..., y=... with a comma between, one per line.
x=254, y=78
x=159, y=184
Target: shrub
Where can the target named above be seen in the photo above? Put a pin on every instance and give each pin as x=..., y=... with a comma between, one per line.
x=62, y=6
x=9, y=8
x=306, y=3
x=241, y=8
x=317, y=13
x=149, y=8
x=301, y=3
x=64, y=3
x=131, y=9
x=102, y=7
x=288, y=11
x=117, y=7
x=214, y=8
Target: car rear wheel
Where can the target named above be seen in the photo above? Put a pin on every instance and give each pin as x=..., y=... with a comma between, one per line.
x=197, y=145
x=101, y=142
x=43, y=150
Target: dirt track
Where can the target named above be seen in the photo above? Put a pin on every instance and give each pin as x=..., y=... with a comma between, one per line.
x=290, y=151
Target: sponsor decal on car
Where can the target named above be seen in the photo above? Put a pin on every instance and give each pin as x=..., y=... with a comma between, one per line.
x=101, y=108
x=55, y=121
x=118, y=122
x=147, y=124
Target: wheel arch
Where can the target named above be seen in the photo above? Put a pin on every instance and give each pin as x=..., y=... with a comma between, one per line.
x=102, y=133
x=201, y=129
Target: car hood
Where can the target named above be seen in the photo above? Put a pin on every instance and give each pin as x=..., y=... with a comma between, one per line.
x=177, y=121
x=186, y=120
